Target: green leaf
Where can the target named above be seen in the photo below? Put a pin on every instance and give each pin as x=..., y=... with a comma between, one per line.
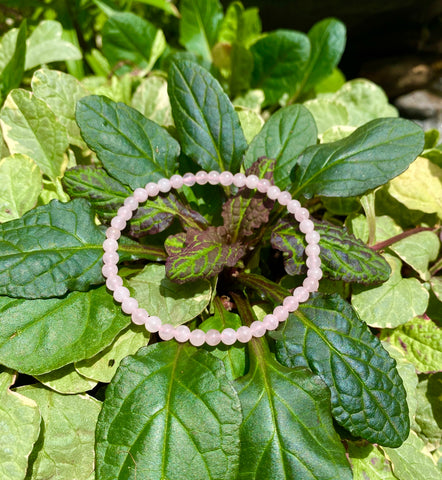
x=66, y=451
x=419, y=187
x=129, y=39
x=173, y=303
x=327, y=113
x=284, y=136
x=394, y=303
x=367, y=394
x=164, y=5
x=61, y=92
x=45, y=45
x=386, y=227
x=12, y=59
x=211, y=136
x=203, y=256
x=343, y=256
x=51, y=249
x=133, y=149
x=152, y=100
x=369, y=157
x=281, y=59
x=199, y=25
x=31, y=128
x=251, y=123
x=20, y=186
x=38, y=336
x=338, y=132
x=369, y=462
x=436, y=287
x=170, y=412
x=331, y=84
x=241, y=65
x=420, y=340
x=102, y=367
x=19, y=429
x=287, y=430
x=66, y=380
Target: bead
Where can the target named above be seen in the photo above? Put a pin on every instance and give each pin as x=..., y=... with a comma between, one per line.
x=290, y=303
x=118, y=222
x=166, y=331
x=243, y=334
x=114, y=282
x=239, y=180
x=273, y=192
x=152, y=189
x=182, y=333
x=176, y=181
x=113, y=232
x=301, y=214
x=263, y=185
x=197, y=337
x=140, y=195
x=293, y=205
x=153, y=324
x=201, y=177
x=110, y=245
x=252, y=181
x=139, y=316
x=213, y=177
x=306, y=226
x=312, y=237
x=257, y=329
x=129, y=305
x=284, y=197
x=110, y=257
x=125, y=213
x=300, y=294
x=132, y=202
x=270, y=322
x=281, y=313
x=213, y=337
x=315, y=273
x=228, y=336
x=164, y=185
x=312, y=250
x=313, y=262
x=189, y=179
x=121, y=293
x=226, y=178
x=109, y=270
x=310, y=284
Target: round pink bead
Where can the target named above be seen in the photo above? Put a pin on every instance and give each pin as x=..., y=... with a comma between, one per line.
x=213, y=177
x=239, y=180
x=315, y=273
x=166, y=331
x=189, y=179
x=109, y=270
x=284, y=197
x=293, y=206
x=252, y=181
x=131, y=202
x=164, y=185
x=313, y=262
x=113, y=232
x=140, y=195
x=228, y=336
x=312, y=237
x=257, y=328
x=213, y=337
x=273, y=192
x=312, y=250
x=201, y=177
x=301, y=214
x=182, y=333
x=112, y=283
x=153, y=324
x=281, y=313
x=176, y=181
x=129, y=305
x=121, y=293
x=139, y=316
x=110, y=245
x=270, y=322
x=197, y=337
x=263, y=185
x=125, y=213
x=226, y=178
x=243, y=334
x=300, y=294
x=290, y=303
x=310, y=284
x=306, y=226
x=152, y=189
x=110, y=257
x=118, y=222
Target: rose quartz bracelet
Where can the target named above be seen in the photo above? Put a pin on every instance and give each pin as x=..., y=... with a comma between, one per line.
x=213, y=337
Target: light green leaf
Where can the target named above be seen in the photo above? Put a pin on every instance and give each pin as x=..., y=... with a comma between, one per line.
x=419, y=187
x=284, y=136
x=20, y=186
x=61, y=92
x=199, y=25
x=102, y=367
x=369, y=462
x=66, y=451
x=251, y=123
x=152, y=100
x=385, y=228
x=338, y=132
x=330, y=84
x=66, y=380
x=173, y=303
x=253, y=99
x=327, y=113
x=165, y=5
x=420, y=340
x=45, y=45
x=19, y=429
x=393, y=303
x=170, y=412
x=436, y=286
x=31, y=128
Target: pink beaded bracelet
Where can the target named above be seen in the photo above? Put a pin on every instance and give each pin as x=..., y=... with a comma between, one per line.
x=213, y=337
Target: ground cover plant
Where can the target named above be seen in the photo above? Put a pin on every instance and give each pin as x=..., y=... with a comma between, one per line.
x=99, y=98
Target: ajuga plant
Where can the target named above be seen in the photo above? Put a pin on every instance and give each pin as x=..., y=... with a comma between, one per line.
x=347, y=387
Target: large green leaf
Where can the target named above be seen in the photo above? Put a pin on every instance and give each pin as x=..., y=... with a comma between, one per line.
x=130, y=39
x=287, y=430
x=367, y=394
x=369, y=157
x=66, y=380
x=207, y=124
x=38, y=336
x=328, y=114
x=170, y=412
x=133, y=149
x=284, y=136
x=369, y=462
x=281, y=59
x=31, y=128
x=199, y=25
x=19, y=429
x=66, y=450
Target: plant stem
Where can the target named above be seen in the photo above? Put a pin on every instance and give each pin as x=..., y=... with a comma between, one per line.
x=436, y=267
x=367, y=202
x=400, y=236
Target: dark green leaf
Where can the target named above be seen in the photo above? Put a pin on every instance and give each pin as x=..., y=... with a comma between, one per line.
x=38, y=336
x=133, y=149
x=284, y=136
x=206, y=121
x=241, y=61
x=281, y=58
x=204, y=255
x=369, y=157
x=343, y=256
x=367, y=394
x=170, y=412
x=199, y=25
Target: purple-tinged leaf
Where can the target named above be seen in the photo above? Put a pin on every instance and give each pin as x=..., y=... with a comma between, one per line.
x=343, y=256
x=174, y=244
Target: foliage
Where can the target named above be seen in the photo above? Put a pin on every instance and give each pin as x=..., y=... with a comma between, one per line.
x=101, y=97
